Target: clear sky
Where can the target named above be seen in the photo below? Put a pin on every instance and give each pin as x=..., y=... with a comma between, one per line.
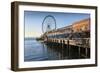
x=33, y=21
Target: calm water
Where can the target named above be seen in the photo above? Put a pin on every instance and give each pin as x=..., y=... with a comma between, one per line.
x=38, y=51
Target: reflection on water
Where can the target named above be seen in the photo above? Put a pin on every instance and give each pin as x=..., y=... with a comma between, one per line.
x=38, y=51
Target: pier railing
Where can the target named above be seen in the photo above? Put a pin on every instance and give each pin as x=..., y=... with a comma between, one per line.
x=82, y=42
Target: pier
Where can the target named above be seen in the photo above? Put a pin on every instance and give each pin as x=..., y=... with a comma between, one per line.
x=76, y=35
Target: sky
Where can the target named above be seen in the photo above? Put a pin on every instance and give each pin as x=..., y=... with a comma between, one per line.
x=33, y=21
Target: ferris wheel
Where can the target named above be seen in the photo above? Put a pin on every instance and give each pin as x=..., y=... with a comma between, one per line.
x=48, y=24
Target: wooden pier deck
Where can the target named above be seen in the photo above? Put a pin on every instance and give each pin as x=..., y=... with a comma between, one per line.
x=81, y=42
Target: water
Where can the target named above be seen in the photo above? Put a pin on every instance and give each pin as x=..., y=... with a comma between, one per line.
x=38, y=51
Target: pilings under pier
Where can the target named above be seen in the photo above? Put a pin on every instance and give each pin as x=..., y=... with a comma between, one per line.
x=80, y=47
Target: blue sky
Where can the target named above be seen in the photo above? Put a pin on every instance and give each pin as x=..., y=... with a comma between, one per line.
x=33, y=21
